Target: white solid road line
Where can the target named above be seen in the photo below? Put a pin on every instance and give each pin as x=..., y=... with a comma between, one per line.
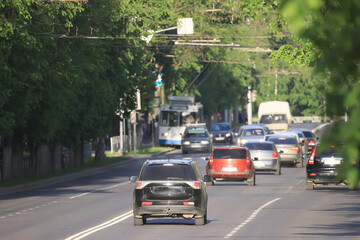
x=100, y=189
x=252, y=216
x=107, y=224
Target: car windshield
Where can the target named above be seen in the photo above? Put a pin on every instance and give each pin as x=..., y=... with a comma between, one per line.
x=167, y=172
x=252, y=132
x=259, y=146
x=196, y=133
x=220, y=127
x=283, y=140
x=273, y=118
x=229, y=153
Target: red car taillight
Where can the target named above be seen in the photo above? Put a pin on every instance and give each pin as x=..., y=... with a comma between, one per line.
x=211, y=162
x=248, y=161
x=146, y=203
x=274, y=155
x=312, y=142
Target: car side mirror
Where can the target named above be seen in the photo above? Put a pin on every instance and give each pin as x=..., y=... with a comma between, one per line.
x=281, y=151
x=133, y=178
x=306, y=156
x=206, y=158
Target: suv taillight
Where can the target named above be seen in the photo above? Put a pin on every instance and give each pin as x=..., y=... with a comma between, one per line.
x=195, y=185
x=311, y=159
x=312, y=142
x=274, y=155
x=139, y=185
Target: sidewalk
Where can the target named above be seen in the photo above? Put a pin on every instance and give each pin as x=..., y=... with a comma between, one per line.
x=72, y=176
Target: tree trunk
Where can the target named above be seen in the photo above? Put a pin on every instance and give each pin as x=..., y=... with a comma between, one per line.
x=43, y=159
x=7, y=153
x=17, y=160
x=79, y=155
x=139, y=136
x=99, y=149
x=57, y=156
x=71, y=157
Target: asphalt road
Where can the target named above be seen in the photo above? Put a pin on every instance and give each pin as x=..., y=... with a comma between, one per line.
x=99, y=207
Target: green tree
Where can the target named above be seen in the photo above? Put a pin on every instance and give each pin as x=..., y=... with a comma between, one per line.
x=329, y=29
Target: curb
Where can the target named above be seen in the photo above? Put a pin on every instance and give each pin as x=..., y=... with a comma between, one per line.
x=71, y=176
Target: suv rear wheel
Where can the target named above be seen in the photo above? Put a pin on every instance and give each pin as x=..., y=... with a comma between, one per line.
x=309, y=185
x=139, y=221
x=201, y=221
x=251, y=181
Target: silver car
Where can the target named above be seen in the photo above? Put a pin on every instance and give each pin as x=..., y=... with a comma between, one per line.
x=265, y=156
x=252, y=132
x=301, y=138
x=289, y=149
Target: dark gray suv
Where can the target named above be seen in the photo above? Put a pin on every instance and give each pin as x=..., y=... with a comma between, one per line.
x=170, y=188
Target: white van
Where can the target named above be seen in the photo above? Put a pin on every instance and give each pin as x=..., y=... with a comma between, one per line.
x=275, y=115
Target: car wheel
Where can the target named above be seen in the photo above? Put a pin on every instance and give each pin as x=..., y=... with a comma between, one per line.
x=139, y=221
x=209, y=183
x=201, y=221
x=309, y=185
x=278, y=170
x=299, y=164
x=251, y=181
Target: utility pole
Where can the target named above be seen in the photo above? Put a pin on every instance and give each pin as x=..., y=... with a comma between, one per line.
x=249, y=105
x=276, y=73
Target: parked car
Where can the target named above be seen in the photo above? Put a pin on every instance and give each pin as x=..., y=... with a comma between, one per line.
x=252, y=132
x=196, y=138
x=264, y=156
x=310, y=138
x=231, y=164
x=221, y=132
x=170, y=188
x=289, y=149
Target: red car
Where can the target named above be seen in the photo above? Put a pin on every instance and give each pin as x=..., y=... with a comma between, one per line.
x=231, y=164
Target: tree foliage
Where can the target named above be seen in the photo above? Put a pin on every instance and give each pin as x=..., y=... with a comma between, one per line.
x=330, y=30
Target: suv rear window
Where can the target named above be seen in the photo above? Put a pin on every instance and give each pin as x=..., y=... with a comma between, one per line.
x=229, y=153
x=283, y=140
x=332, y=152
x=168, y=172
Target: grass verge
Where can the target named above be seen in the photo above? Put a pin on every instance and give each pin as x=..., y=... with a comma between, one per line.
x=88, y=163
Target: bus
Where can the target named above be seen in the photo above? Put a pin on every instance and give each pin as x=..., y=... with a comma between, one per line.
x=175, y=116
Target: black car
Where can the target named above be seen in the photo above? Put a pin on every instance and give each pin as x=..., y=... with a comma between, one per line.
x=196, y=138
x=221, y=132
x=170, y=188
x=322, y=167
